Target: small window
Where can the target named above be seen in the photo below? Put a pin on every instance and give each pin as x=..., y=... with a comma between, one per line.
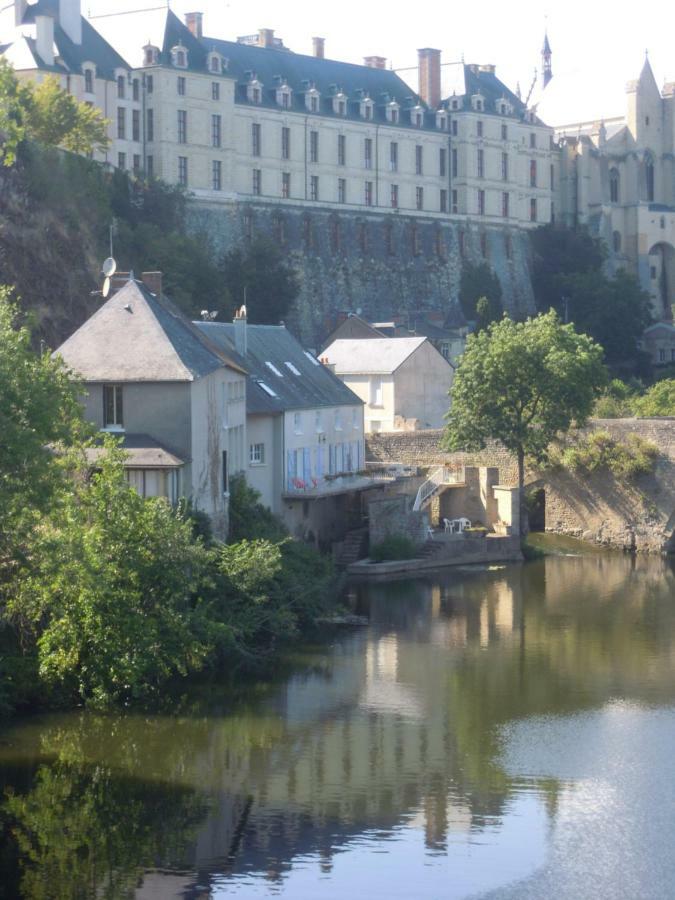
x=256, y=455
x=419, y=159
x=268, y=390
x=342, y=190
x=285, y=185
x=257, y=182
x=505, y=132
x=318, y=422
x=479, y=128
x=274, y=369
x=215, y=90
x=217, y=175
x=338, y=420
x=314, y=187
x=121, y=86
x=394, y=196
x=533, y=210
x=180, y=86
x=285, y=142
x=662, y=355
x=183, y=171
x=297, y=423
x=454, y=128
x=368, y=153
x=419, y=197
x=314, y=146
x=121, y=160
x=255, y=138
x=149, y=84
x=342, y=150
x=369, y=193
x=533, y=140
x=113, y=406
x=292, y=368
x=88, y=81
x=481, y=203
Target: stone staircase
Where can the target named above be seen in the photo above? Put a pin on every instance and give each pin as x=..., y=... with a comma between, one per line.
x=353, y=548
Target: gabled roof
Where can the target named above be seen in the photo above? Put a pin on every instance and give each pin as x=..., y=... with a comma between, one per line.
x=463, y=80
x=136, y=336
x=352, y=327
x=143, y=452
x=314, y=387
x=371, y=356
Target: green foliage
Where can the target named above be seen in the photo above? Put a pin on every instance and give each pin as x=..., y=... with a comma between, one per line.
x=249, y=519
x=394, y=546
x=260, y=277
x=616, y=401
x=558, y=252
x=659, y=400
x=54, y=117
x=480, y=294
x=13, y=99
x=599, y=451
x=112, y=593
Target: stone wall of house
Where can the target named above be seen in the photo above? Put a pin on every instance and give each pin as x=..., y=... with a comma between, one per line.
x=394, y=515
x=600, y=507
x=379, y=263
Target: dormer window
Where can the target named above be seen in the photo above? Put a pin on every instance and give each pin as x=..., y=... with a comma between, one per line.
x=254, y=91
x=216, y=63
x=393, y=112
x=442, y=120
x=417, y=116
x=504, y=108
x=89, y=81
x=150, y=55
x=478, y=102
x=530, y=117
x=312, y=98
x=340, y=104
x=179, y=57
x=455, y=103
x=284, y=96
x=366, y=109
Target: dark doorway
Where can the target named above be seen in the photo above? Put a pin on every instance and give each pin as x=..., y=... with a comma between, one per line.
x=536, y=509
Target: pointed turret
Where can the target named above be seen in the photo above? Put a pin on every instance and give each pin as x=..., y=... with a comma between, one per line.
x=546, y=57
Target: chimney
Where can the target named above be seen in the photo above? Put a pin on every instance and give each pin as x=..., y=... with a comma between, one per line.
x=429, y=67
x=375, y=62
x=153, y=282
x=194, y=21
x=319, y=47
x=20, y=7
x=44, y=44
x=70, y=19
x=240, y=337
x=266, y=37
x=329, y=365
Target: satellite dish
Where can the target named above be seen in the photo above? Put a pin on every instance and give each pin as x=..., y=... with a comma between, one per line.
x=106, y=287
x=109, y=267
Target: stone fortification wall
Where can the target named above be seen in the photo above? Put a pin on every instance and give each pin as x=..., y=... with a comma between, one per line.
x=600, y=507
x=377, y=263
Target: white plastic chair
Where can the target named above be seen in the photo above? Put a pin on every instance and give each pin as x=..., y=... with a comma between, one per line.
x=463, y=523
x=448, y=526
x=430, y=533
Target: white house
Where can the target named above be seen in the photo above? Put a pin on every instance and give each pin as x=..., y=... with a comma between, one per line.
x=404, y=382
x=177, y=401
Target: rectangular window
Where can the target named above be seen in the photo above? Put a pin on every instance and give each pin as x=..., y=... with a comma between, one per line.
x=113, y=408
x=455, y=205
x=342, y=190
x=419, y=197
x=285, y=143
x=505, y=132
x=552, y=173
x=285, y=185
x=314, y=146
x=454, y=127
x=533, y=173
x=137, y=164
x=150, y=166
x=481, y=203
x=256, y=455
x=533, y=140
x=369, y=193
x=393, y=156
x=149, y=84
x=88, y=81
x=419, y=167
x=183, y=170
x=454, y=164
x=342, y=150
x=121, y=160
x=182, y=126
x=255, y=139
x=215, y=90
x=480, y=164
x=314, y=187
x=376, y=392
x=257, y=182
x=442, y=161
x=150, y=116
x=533, y=210
x=216, y=129
x=180, y=86
x=444, y=201
x=121, y=123
x=505, y=166
x=394, y=196
x=136, y=90
x=121, y=80
x=297, y=423
x=368, y=153
x=505, y=205
x=217, y=175
x=136, y=124
x=479, y=128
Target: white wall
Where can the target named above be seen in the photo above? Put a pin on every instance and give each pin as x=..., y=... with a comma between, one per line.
x=335, y=445
x=421, y=387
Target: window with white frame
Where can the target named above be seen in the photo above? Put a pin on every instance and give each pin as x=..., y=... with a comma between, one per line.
x=297, y=423
x=254, y=91
x=376, y=391
x=393, y=110
x=113, y=407
x=256, y=454
x=312, y=98
x=338, y=420
x=179, y=56
x=366, y=109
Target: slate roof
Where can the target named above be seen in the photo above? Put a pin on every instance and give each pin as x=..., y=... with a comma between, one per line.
x=315, y=387
x=463, y=80
x=371, y=356
x=136, y=336
x=143, y=452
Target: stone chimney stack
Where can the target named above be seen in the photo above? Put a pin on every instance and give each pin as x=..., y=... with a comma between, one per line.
x=153, y=282
x=70, y=19
x=429, y=67
x=44, y=43
x=319, y=47
x=240, y=336
x=266, y=37
x=375, y=62
x=195, y=21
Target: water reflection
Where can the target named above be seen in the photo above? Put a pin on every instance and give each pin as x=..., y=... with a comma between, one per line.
x=443, y=751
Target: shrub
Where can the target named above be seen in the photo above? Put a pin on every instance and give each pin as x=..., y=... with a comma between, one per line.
x=600, y=451
x=616, y=401
x=394, y=546
x=249, y=519
x=659, y=400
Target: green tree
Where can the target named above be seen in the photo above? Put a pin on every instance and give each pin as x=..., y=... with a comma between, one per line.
x=13, y=100
x=522, y=383
x=558, y=252
x=55, y=118
x=480, y=294
x=659, y=400
x=260, y=276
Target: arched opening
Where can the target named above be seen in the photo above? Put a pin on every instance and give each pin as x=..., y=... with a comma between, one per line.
x=614, y=186
x=662, y=280
x=535, y=501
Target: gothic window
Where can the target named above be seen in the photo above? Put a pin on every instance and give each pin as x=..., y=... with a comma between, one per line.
x=614, y=185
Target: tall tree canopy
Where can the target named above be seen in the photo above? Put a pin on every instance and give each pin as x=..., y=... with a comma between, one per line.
x=522, y=383
x=480, y=294
x=260, y=277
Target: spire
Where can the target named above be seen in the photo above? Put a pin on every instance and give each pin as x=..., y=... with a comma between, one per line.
x=546, y=56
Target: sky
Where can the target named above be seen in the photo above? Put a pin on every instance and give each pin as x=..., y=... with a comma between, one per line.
x=597, y=46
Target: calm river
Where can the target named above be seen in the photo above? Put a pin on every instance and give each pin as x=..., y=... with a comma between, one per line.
x=504, y=733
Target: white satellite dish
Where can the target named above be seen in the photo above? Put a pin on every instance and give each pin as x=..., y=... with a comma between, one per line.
x=109, y=267
x=105, y=290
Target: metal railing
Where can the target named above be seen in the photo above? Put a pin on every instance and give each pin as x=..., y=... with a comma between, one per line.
x=439, y=477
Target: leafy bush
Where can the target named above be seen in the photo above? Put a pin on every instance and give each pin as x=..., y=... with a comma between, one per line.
x=616, y=401
x=394, y=546
x=659, y=400
x=600, y=451
x=249, y=519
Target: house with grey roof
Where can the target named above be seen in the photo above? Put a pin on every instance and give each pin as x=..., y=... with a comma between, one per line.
x=176, y=400
x=403, y=381
x=305, y=429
